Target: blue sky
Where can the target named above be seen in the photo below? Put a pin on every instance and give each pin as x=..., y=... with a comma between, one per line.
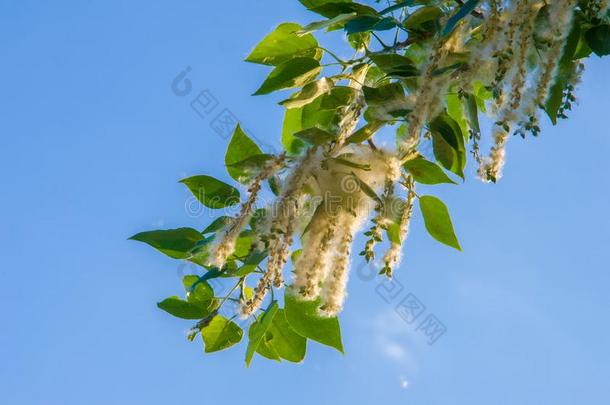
x=92, y=144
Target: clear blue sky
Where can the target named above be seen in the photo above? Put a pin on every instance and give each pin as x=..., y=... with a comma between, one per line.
x=92, y=143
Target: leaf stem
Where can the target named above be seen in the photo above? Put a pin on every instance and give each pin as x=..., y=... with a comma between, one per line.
x=338, y=59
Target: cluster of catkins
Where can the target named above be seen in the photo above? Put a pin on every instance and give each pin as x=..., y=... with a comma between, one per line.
x=323, y=189
x=319, y=178
x=519, y=90
x=501, y=58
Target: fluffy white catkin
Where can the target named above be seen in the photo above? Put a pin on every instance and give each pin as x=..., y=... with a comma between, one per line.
x=561, y=13
x=392, y=258
x=312, y=265
x=227, y=238
x=491, y=168
x=334, y=289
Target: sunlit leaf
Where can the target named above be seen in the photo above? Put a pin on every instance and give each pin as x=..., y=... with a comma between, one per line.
x=292, y=125
x=395, y=65
x=369, y=23
x=331, y=9
x=218, y=224
x=448, y=143
x=304, y=318
x=426, y=172
x=315, y=136
x=293, y=73
x=240, y=148
x=176, y=243
x=211, y=192
x=424, y=19
x=365, y=133
x=308, y=93
x=258, y=330
x=220, y=334
x=319, y=25
x=184, y=309
x=437, y=220
x=284, y=44
x=287, y=343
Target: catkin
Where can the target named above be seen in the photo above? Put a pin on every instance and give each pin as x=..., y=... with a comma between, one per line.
x=228, y=236
x=392, y=258
x=334, y=289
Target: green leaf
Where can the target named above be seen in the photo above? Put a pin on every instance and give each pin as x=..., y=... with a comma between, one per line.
x=359, y=41
x=176, y=243
x=211, y=192
x=315, y=136
x=455, y=109
x=369, y=23
x=293, y=73
x=240, y=148
x=275, y=184
x=258, y=219
x=339, y=96
x=583, y=50
x=566, y=69
x=395, y=65
x=253, y=259
x=424, y=19
x=318, y=25
x=482, y=94
x=392, y=213
x=331, y=9
x=309, y=93
x=446, y=127
x=258, y=329
x=285, y=342
x=555, y=99
x=571, y=44
x=314, y=116
x=317, y=3
x=220, y=334
x=426, y=172
x=183, y=309
x=473, y=113
x=243, y=243
x=200, y=251
x=282, y=45
x=218, y=224
x=303, y=317
x=464, y=10
x=266, y=350
x=366, y=132
x=598, y=39
x=214, y=272
x=448, y=143
x=437, y=220
x=386, y=103
x=251, y=166
x=392, y=92
x=197, y=291
x=295, y=256
x=452, y=67
x=292, y=124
